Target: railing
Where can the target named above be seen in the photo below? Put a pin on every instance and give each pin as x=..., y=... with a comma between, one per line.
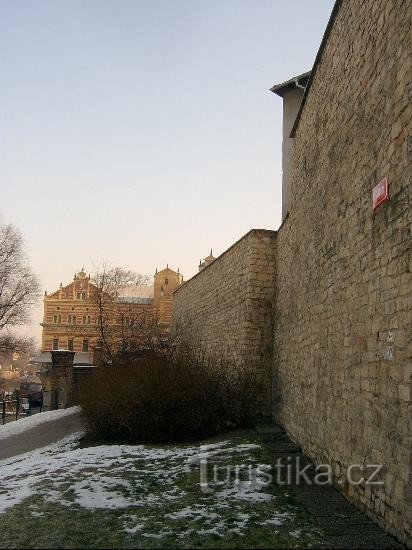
x=12, y=407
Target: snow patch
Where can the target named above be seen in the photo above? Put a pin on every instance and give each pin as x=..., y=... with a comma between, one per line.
x=200, y=512
x=244, y=490
x=134, y=477
x=29, y=422
x=277, y=520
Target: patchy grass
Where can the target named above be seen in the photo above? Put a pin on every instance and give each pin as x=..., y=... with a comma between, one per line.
x=127, y=496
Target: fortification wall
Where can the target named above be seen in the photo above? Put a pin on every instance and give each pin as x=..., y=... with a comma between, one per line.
x=343, y=302
x=226, y=309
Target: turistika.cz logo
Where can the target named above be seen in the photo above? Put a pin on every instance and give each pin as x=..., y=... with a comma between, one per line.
x=287, y=472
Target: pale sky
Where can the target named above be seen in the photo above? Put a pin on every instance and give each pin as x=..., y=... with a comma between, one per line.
x=143, y=132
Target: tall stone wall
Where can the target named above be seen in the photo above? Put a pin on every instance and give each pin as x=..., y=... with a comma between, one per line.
x=343, y=324
x=226, y=309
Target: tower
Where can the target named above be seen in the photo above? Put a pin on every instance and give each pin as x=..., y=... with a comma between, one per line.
x=206, y=261
x=165, y=282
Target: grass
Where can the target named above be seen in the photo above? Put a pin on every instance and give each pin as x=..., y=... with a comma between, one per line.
x=150, y=497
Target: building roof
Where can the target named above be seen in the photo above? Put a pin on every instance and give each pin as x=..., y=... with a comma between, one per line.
x=80, y=358
x=136, y=294
x=210, y=257
x=134, y=300
x=167, y=269
x=298, y=81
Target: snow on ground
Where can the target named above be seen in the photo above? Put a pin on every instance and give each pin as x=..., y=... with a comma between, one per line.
x=245, y=490
x=144, y=482
x=29, y=422
x=276, y=521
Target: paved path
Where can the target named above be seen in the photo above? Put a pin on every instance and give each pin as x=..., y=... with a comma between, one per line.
x=40, y=436
x=345, y=525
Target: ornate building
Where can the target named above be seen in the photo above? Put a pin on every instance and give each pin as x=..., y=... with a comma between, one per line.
x=70, y=314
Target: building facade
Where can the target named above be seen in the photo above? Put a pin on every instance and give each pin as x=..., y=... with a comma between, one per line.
x=70, y=319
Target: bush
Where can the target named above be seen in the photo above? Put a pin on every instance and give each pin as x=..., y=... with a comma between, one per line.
x=156, y=399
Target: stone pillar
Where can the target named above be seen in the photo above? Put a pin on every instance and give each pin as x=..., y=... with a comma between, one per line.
x=98, y=355
x=62, y=377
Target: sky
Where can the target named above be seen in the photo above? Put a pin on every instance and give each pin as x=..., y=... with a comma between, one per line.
x=143, y=132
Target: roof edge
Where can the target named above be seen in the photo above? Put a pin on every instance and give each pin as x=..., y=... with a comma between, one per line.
x=291, y=83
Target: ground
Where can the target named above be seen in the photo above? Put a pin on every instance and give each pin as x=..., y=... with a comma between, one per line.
x=212, y=494
x=137, y=496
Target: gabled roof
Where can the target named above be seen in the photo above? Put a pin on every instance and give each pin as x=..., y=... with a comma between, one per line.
x=68, y=288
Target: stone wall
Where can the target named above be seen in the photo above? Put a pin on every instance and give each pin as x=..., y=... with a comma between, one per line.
x=343, y=324
x=226, y=309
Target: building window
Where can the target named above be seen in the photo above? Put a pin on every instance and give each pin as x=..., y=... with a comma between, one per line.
x=55, y=343
x=166, y=281
x=78, y=295
x=70, y=344
x=54, y=319
x=71, y=319
x=85, y=345
x=84, y=295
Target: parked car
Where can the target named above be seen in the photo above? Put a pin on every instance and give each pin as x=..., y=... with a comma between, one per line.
x=33, y=392
x=25, y=405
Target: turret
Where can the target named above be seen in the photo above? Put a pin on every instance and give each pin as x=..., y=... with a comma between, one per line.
x=206, y=261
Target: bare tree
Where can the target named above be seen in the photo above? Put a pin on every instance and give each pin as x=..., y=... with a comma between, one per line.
x=19, y=288
x=124, y=328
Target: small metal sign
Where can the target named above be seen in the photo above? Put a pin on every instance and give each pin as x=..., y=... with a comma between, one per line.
x=380, y=193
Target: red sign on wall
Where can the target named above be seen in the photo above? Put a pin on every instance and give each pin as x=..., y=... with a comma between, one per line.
x=380, y=193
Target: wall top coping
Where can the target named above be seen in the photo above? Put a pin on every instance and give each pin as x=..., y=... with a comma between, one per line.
x=268, y=232
x=318, y=57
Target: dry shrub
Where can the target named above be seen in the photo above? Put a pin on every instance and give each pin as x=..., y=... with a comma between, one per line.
x=156, y=399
